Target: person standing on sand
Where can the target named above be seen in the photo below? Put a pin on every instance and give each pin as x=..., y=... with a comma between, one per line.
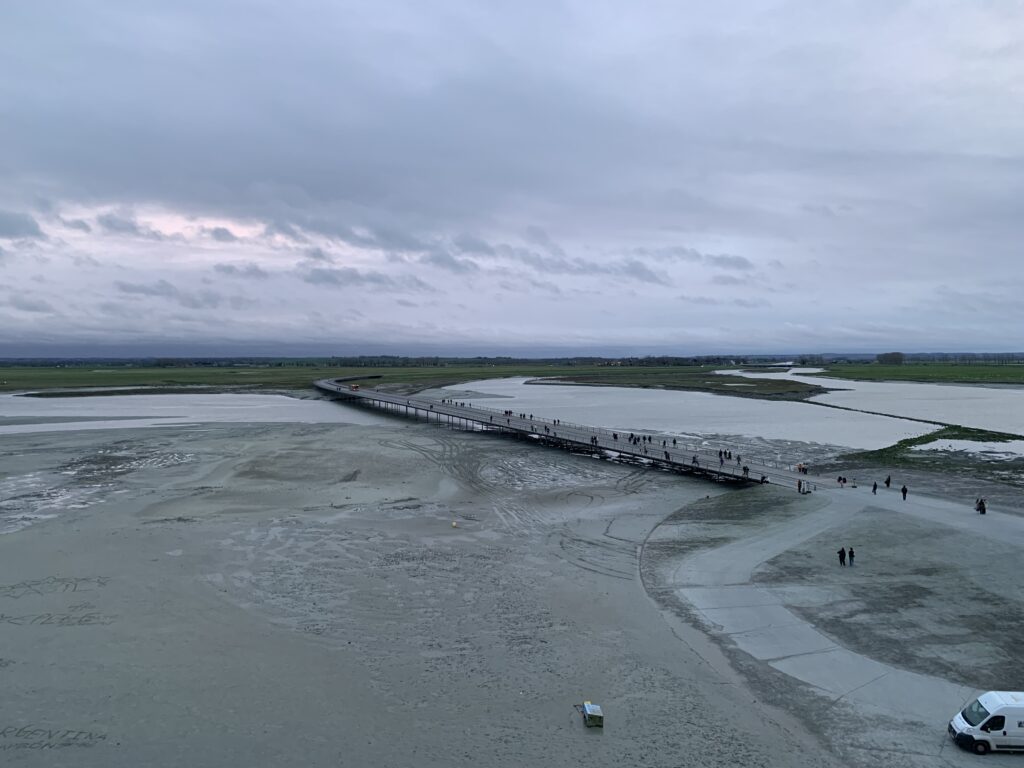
x=842, y=556
x=874, y=488
x=903, y=490
x=888, y=479
x=849, y=555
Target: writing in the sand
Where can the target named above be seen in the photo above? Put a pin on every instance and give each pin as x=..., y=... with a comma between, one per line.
x=53, y=585
x=93, y=618
x=14, y=737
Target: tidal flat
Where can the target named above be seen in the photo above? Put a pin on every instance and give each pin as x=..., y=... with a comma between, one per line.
x=365, y=590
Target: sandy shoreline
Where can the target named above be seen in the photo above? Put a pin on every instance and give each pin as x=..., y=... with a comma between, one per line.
x=273, y=594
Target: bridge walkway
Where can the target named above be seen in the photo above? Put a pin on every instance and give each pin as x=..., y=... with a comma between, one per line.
x=673, y=455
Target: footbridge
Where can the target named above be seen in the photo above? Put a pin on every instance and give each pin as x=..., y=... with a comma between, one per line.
x=647, y=448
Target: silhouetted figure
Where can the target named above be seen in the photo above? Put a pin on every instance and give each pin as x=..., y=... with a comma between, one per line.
x=849, y=555
x=888, y=479
x=903, y=490
x=842, y=556
x=874, y=488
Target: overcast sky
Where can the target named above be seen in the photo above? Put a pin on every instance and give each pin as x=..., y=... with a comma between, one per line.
x=581, y=176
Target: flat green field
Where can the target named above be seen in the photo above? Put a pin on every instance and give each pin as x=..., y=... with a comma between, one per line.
x=699, y=378
x=411, y=378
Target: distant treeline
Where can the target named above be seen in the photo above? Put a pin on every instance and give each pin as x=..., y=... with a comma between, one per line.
x=382, y=361
x=398, y=361
x=951, y=358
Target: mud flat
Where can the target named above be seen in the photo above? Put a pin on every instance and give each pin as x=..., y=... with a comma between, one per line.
x=295, y=594
x=874, y=658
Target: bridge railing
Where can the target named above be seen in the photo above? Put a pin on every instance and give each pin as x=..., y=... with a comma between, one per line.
x=459, y=408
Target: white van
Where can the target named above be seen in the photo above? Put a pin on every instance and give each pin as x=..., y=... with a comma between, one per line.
x=994, y=720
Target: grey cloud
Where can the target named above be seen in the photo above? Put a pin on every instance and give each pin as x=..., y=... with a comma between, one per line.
x=444, y=260
x=539, y=236
x=702, y=300
x=242, y=303
x=223, y=235
x=162, y=288
x=640, y=271
x=672, y=253
x=394, y=239
x=29, y=304
x=713, y=301
x=125, y=224
x=17, y=225
x=348, y=277
x=118, y=310
x=285, y=229
x=729, y=280
x=200, y=300
x=43, y=204
x=820, y=209
x=122, y=224
x=472, y=244
x=553, y=264
x=692, y=255
x=729, y=262
x=447, y=127
x=406, y=303
x=159, y=288
x=319, y=254
x=84, y=260
x=751, y=303
x=79, y=224
x=246, y=270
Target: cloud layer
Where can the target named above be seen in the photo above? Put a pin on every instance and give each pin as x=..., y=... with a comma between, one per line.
x=694, y=177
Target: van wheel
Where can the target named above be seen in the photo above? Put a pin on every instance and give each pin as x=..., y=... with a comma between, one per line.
x=980, y=747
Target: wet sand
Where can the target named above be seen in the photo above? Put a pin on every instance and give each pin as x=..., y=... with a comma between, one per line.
x=283, y=594
x=296, y=594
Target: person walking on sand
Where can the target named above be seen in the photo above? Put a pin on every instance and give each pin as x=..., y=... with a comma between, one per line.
x=842, y=556
x=874, y=488
x=903, y=490
x=849, y=555
x=888, y=479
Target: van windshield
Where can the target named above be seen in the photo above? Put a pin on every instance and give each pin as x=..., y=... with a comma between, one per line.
x=974, y=713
